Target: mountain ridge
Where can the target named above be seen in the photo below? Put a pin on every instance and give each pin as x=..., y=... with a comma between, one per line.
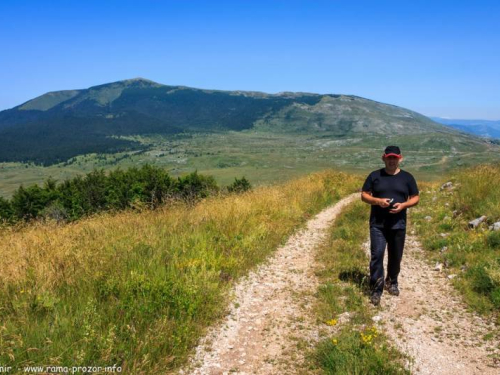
x=58, y=125
x=482, y=128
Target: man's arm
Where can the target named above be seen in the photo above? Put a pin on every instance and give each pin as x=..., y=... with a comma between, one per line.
x=367, y=197
x=412, y=201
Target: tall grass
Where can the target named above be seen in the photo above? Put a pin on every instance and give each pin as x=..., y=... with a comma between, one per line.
x=138, y=289
x=471, y=255
x=478, y=192
x=356, y=345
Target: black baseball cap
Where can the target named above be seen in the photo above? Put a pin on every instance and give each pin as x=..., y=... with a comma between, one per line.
x=392, y=151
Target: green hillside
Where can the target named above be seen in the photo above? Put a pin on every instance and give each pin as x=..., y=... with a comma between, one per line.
x=60, y=125
x=57, y=126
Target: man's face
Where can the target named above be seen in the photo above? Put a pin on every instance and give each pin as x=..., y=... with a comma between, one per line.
x=391, y=162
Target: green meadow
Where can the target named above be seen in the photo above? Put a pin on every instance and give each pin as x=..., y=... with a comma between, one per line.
x=471, y=256
x=266, y=157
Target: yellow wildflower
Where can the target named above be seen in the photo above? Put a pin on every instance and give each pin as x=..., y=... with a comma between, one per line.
x=367, y=339
x=331, y=322
x=335, y=342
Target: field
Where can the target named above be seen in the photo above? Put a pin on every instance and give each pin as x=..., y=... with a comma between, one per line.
x=265, y=157
x=139, y=289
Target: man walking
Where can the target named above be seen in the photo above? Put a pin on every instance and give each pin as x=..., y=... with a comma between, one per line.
x=389, y=191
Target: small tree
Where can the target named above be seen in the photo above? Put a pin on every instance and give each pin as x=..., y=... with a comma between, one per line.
x=239, y=185
x=6, y=212
x=194, y=185
x=28, y=202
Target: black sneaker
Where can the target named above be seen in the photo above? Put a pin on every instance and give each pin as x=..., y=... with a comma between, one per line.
x=393, y=290
x=375, y=299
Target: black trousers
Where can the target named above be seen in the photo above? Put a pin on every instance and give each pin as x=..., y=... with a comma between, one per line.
x=394, y=239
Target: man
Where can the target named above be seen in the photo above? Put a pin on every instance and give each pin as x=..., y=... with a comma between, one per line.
x=389, y=191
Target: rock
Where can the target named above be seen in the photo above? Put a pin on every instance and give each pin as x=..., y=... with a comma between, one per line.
x=474, y=223
x=438, y=267
x=444, y=235
x=451, y=276
x=377, y=318
x=412, y=232
x=495, y=226
x=428, y=218
x=456, y=213
x=446, y=218
x=446, y=204
x=443, y=249
x=344, y=317
x=446, y=185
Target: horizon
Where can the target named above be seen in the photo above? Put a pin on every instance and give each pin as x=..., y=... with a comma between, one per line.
x=416, y=56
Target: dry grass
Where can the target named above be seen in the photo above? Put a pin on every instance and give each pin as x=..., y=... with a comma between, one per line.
x=138, y=289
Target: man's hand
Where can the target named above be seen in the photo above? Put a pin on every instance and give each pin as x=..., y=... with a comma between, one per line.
x=383, y=202
x=398, y=207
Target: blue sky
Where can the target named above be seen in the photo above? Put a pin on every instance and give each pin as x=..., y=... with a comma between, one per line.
x=440, y=58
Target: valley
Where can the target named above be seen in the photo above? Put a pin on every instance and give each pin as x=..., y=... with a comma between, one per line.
x=266, y=157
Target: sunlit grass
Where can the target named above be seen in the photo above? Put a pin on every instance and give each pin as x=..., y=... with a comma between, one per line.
x=472, y=256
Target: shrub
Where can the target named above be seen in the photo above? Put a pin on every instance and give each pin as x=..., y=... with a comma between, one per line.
x=55, y=211
x=495, y=297
x=27, y=203
x=239, y=185
x=493, y=239
x=145, y=187
x=194, y=186
x=480, y=279
x=6, y=213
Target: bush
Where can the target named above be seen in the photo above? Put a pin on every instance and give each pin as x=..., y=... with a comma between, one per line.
x=6, y=213
x=27, y=203
x=493, y=239
x=480, y=279
x=239, y=185
x=195, y=186
x=495, y=297
x=55, y=211
x=145, y=187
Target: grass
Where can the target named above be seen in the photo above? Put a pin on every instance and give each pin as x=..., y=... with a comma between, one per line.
x=139, y=289
x=356, y=346
x=473, y=255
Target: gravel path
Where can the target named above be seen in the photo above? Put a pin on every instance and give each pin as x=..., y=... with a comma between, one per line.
x=429, y=321
x=269, y=310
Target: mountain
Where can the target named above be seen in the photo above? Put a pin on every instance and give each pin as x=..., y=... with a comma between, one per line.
x=59, y=125
x=482, y=128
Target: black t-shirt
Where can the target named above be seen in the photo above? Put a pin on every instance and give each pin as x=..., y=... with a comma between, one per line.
x=383, y=185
